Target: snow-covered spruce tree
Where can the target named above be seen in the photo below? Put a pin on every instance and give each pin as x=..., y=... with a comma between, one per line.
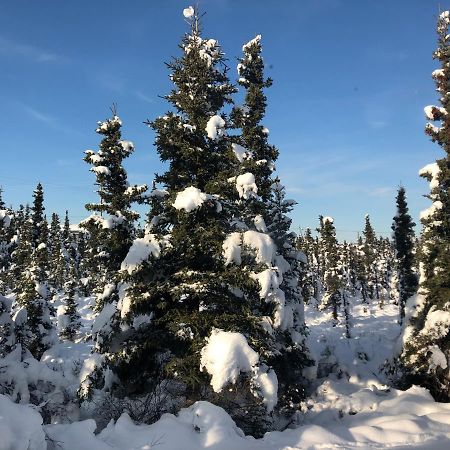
x=7, y=328
x=6, y=244
x=189, y=300
x=38, y=333
x=21, y=255
x=370, y=249
x=57, y=262
x=255, y=157
x=288, y=322
x=111, y=226
x=69, y=318
x=312, y=284
x=262, y=201
x=426, y=352
x=40, y=226
x=332, y=278
x=403, y=237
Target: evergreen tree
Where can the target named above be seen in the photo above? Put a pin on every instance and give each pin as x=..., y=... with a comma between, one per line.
x=370, y=249
x=288, y=319
x=7, y=329
x=187, y=277
x=427, y=338
x=72, y=322
x=403, y=235
x=6, y=243
x=37, y=217
x=111, y=226
x=57, y=263
x=332, y=274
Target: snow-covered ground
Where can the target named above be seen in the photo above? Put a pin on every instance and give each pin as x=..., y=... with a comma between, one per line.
x=350, y=408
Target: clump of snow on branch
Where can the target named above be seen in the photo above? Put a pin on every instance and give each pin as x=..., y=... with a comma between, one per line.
x=192, y=198
x=261, y=244
x=437, y=358
x=140, y=251
x=225, y=356
x=188, y=12
x=109, y=222
x=101, y=170
x=207, y=49
x=434, y=112
x=241, y=153
x=128, y=146
x=266, y=385
x=103, y=127
x=5, y=218
x=215, y=127
x=246, y=185
x=431, y=171
x=255, y=40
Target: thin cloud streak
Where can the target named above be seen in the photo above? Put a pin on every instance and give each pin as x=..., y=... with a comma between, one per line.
x=26, y=51
x=46, y=119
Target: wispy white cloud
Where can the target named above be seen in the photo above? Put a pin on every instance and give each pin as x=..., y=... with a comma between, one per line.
x=39, y=115
x=382, y=192
x=27, y=51
x=47, y=119
x=144, y=97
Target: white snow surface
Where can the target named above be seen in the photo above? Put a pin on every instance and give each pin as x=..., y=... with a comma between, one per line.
x=350, y=408
x=20, y=427
x=225, y=356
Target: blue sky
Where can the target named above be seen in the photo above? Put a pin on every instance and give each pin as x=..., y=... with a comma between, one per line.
x=351, y=78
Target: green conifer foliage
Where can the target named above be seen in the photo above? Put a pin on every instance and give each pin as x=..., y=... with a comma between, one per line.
x=184, y=290
x=38, y=219
x=332, y=273
x=6, y=244
x=57, y=262
x=7, y=328
x=403, y=235
x=427, y=338
x=72, y=321
x=111, y=226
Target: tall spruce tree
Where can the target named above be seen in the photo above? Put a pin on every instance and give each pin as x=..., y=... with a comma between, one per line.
x=39, y=229
x=57, y=263
x=427, y=338
x=263, y=208
x=403, y=236
x=6, y=243
x=111, y=226
x=332, y=274
x=188, y=284
x=370, y=249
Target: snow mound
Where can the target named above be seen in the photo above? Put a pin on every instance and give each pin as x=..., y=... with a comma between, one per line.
x=225, y=356
x=20, y=427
